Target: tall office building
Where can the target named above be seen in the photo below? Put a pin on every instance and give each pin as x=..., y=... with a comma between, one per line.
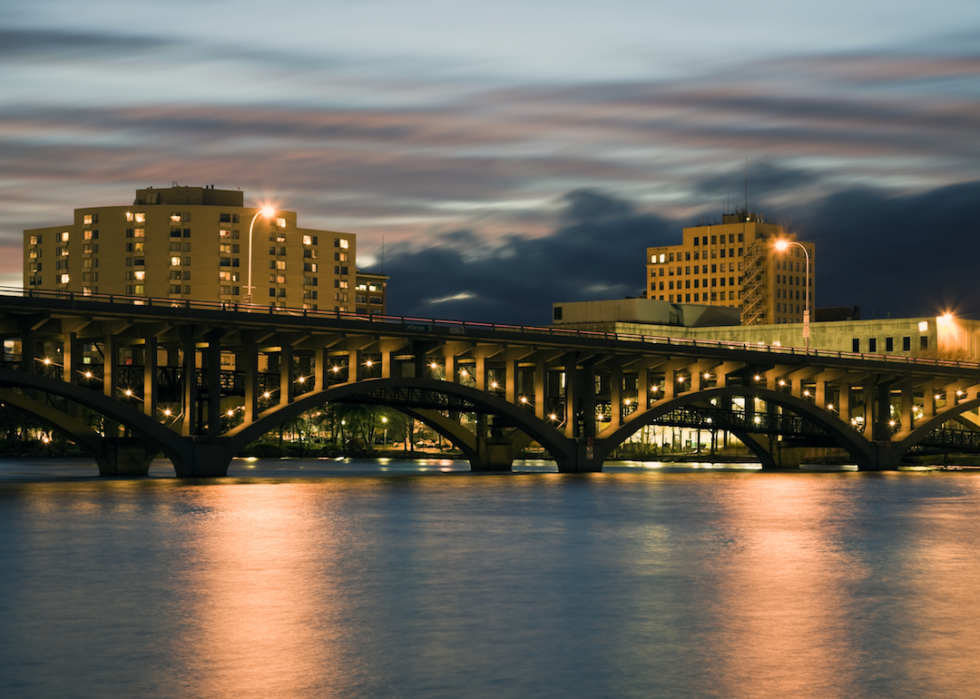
x=735, y=263
x=194, y=243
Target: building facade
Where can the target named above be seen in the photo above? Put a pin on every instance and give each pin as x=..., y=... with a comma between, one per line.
x=371, y=293
x=736, y=264
x=194, y=243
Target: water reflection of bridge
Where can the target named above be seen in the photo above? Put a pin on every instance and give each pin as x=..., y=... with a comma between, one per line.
x=163, y=373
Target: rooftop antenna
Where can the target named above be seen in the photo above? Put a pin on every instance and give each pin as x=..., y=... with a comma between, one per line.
x=746, y=187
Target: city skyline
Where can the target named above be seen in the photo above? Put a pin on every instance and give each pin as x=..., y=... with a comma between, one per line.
x=527, y=154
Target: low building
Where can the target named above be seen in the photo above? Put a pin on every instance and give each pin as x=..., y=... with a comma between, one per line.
x=940, y=337
x=647, y=311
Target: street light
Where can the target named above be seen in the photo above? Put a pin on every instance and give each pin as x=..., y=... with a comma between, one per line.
x=384, y=443
x=268, y=212
x=782, y=245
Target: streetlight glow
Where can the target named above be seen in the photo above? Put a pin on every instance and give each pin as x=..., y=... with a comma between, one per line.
x=268, y=212
x=781, y=246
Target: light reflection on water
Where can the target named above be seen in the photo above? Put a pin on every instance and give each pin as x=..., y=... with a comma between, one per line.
x=318, y=578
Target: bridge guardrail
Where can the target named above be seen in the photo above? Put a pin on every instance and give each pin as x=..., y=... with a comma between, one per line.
x=461, y=326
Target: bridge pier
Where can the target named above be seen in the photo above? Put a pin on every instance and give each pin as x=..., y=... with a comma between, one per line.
x=207, y=457
x=885, y=457
x=494, y=454
x=585, y=458
x=125, y=456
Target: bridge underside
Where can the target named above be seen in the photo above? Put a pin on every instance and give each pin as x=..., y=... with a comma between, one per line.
x=200, y=384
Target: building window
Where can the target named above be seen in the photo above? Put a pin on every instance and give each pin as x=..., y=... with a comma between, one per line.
x=224, y=218
x=90, y=235
x=175, y=262
x=280, y=264
x=924, y=342
x=341, y=243
x=872, y=344
x=224, y=233
x=174, y=218
x=175, y=288
x=281, y=222
x=906, y=344
x=889, y=345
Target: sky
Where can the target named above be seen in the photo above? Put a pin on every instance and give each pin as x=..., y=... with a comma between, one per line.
x=498, y=158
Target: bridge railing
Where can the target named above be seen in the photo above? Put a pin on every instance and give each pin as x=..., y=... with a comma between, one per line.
x=462, y=327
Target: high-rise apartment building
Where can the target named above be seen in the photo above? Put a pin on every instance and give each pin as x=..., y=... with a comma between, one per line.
x=194, y=243
x=735, y=263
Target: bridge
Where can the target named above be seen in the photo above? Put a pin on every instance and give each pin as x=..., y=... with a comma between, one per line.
x=162, y=373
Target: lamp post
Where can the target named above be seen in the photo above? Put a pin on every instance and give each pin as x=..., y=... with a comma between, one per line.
x=782, y=245
x=384, y=442
x=268, y=212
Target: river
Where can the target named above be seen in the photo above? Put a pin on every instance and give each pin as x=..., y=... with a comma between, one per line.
x=318, y=578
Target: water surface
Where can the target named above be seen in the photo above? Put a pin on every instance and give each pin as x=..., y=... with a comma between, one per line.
x=314, y=578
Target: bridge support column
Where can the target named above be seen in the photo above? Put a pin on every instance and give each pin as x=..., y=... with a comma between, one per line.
x=207, y=457
x=125, y=457
x=496, y=453
x=885, y=457
x=584, y=459
x=772, y=453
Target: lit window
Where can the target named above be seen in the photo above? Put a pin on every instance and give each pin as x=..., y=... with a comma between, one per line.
x=62, y=278
x=64, y=237
x=343, y=283
x=139, y=232
x=307, y=240
x=140, y=275
x=280, y=279
x=280, y=264
x=923, y=326
x=281, y=222
x=140, y=218
x=224, y=233
x=129, y=216
x=174, y=218
x=35, y=239
x=175, y=262
x=344, y=243
x=662, y=257
x=87, y=219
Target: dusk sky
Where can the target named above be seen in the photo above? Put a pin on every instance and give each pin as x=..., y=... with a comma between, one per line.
x=517, y=154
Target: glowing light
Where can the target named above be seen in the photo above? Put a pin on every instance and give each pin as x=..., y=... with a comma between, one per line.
x=655, y=388
x=384, y=420
x=806, y=392
x=523, y=399
x=552, y=417
x=782, y=382
x=830, y=406
x=302, y=379
x=128, y=392
x=464, y=373
x=758, y=419
x=167, y=412
x=781, y=245
x=758, y=378
x=47, y=361
x=494, y=384
x=891, y=423
x=230, y=413
x=936, y=397
x=88, y=374
x=268, y=211
x=707, y=375
x=626, y=402
x=369, y=363
x=266, y=394
x=335, y=369
x=433, y=365
x=680, y=379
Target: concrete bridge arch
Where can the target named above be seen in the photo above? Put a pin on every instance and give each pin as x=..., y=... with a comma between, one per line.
x=483, y=455
x=865, y=453
x=114, y=455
